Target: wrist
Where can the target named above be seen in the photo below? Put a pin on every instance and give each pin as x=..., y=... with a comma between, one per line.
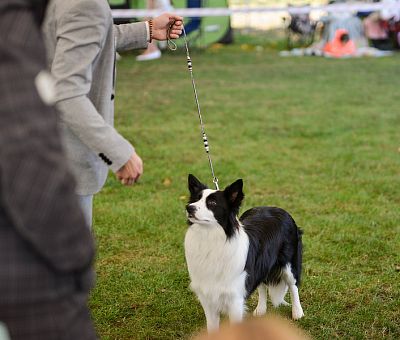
x=151, y=27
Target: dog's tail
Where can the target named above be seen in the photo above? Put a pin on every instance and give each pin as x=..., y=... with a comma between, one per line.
x=298, y=256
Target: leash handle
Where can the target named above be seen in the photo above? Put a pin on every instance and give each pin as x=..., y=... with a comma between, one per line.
x=170, y=43
x=173, y=47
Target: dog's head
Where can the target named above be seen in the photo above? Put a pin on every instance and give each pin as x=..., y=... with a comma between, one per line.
x=215, y=207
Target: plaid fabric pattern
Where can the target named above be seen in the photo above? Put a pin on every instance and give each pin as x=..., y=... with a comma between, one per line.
x=64, y=319
x=46, y=250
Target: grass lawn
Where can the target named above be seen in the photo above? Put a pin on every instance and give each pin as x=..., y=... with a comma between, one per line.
x=317, y=137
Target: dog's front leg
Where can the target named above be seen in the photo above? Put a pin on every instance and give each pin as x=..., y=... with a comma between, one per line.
x=236, y=310
x=212, y=320
x=212, y=314
x=261, y=308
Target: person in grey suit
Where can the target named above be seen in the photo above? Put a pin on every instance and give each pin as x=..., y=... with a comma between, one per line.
x=46, y=250
x=82, y=41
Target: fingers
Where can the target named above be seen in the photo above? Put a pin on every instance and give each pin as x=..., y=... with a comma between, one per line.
x=175, y=34
x=131, y=178
x=124, y=181
x=136, y=176
x=131, y=171
x=175, y=30
x=137, y=166
x=177, y=18
x=129, y=181
x=176, y=24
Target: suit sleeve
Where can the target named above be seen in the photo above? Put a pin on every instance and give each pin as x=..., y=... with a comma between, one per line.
x=81, y=34
x=130, y=36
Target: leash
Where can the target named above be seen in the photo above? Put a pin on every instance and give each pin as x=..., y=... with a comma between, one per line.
x=172, y=46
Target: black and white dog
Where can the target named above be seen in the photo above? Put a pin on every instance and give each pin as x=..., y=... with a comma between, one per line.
x=228, y=258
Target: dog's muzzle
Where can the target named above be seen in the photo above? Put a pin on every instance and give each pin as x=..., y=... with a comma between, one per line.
x=191, y=210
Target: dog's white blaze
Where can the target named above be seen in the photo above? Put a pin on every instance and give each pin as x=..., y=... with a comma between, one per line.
x=261, y=308
x=203, y=214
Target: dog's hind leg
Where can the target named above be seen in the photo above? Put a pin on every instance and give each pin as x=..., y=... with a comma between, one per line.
x=277, y=293
x=297, y=310
x=261, y=308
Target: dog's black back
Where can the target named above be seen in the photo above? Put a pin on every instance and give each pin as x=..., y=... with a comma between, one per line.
x=275, y=241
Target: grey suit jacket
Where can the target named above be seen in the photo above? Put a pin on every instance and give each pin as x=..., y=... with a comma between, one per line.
x=81, y=41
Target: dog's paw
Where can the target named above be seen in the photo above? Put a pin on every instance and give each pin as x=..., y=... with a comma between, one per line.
x=280, y=303
x=284, y=303
x=297, y=313
x=259, y=311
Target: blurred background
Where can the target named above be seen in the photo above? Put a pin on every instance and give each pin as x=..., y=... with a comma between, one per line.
x=314, y=135
x=369, y=24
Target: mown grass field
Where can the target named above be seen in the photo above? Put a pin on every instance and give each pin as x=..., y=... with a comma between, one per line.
x=317, y=137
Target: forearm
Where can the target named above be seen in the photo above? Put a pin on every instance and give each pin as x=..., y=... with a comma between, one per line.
x=131, y=36
x=82, y=118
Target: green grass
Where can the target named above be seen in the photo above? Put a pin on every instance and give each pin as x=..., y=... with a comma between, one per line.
x=317, y=137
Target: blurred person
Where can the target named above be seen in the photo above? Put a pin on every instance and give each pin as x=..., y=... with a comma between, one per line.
x=336, y=20
x=152, y=51
x=81, y=42
x=340, y=46
x=269, y=328
x=46, y=250
x=376, y=31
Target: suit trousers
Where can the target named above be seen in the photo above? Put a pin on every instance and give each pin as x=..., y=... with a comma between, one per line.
x=4, y=335
x=86, y=203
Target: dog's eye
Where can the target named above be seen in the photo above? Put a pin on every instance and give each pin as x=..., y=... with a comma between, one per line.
x=212, y=203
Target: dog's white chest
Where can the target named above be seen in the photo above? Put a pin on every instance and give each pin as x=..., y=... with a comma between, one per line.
x=215, y=263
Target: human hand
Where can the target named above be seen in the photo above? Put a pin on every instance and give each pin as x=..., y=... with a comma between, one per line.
x=162, y=23
x=131, y=171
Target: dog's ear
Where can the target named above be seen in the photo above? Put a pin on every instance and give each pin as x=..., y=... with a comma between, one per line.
x=195, y=185
x=234, y=193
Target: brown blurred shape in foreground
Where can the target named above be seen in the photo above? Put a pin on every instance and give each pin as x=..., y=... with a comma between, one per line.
x=269, y=328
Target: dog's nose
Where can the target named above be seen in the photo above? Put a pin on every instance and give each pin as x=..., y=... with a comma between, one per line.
x=191, y=209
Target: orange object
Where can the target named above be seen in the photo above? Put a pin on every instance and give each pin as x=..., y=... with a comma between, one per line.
x=340, y=45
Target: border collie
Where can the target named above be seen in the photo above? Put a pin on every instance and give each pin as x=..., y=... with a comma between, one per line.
x=228, y=258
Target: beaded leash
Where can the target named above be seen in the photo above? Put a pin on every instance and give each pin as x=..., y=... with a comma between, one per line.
x=172, y=46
